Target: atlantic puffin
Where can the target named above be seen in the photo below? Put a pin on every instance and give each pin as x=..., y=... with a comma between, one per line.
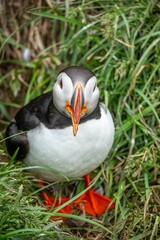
x=65, y=134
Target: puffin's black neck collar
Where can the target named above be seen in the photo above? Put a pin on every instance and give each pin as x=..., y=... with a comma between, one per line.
x=55, y=119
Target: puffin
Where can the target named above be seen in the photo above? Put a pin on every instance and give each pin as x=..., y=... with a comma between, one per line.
x=65, y=134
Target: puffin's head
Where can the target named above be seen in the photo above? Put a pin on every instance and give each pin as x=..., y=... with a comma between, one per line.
x=75, y=94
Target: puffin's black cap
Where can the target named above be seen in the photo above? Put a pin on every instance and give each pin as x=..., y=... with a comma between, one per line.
x=78, y=73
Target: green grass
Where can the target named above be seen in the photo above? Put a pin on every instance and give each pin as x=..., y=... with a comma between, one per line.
x=120, y=42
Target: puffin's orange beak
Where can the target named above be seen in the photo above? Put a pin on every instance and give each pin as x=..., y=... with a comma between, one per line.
x=76, y=108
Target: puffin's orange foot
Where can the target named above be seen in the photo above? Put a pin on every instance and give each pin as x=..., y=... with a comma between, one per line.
x=50, y=202
x=92, y=202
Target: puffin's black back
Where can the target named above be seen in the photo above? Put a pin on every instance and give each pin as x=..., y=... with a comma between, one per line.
x=27, y=118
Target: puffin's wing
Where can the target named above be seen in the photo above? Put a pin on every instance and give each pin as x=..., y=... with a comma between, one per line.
x=26, y=119
x=16, y=138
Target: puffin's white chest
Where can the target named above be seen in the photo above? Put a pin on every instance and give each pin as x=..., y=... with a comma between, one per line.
x=61, y=155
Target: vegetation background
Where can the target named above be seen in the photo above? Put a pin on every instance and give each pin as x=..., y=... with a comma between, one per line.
x=119, y=41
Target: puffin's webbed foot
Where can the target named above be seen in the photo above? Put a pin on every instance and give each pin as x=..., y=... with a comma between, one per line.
x=94, y=203
x=91, y=202
x=50, y=202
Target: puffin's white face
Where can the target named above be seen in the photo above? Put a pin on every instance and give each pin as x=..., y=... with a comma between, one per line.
x=75, y=99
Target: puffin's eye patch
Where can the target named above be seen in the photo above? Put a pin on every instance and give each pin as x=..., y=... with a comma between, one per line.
x=94, y=87
x=61, y=84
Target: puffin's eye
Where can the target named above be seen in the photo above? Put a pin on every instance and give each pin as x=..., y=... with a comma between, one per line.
x=61, y=84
